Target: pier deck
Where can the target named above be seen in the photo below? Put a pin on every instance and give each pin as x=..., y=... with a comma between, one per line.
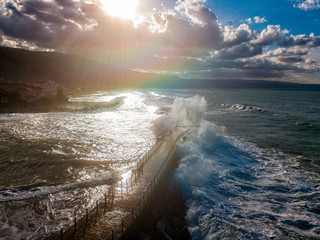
x=128, y=195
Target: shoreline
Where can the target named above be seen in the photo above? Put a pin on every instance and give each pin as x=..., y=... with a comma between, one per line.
x=62, y=107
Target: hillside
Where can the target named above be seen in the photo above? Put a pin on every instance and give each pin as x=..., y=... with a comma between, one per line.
x=68, y=71
x=73, y=72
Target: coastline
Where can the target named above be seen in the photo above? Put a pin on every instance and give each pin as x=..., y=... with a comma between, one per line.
x=61, y=107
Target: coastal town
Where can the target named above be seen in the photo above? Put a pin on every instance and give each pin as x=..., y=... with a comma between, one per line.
x=16, y=94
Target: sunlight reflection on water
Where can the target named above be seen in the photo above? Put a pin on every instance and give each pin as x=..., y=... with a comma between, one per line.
x=116, y=137
x=63, y=162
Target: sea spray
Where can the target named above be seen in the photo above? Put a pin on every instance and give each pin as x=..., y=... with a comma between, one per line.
x=236, y=190
x=194, y=171
x=162, y=125
x=184, y=112
x=251, y=175
x=91, y=146
x=188, y=111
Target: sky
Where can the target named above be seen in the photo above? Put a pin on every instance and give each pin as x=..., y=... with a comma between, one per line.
x=214, y=39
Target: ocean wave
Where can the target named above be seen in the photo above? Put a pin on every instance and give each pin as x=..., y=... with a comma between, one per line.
x=43, y=189
x=36, y=217
x=86, y=107
x=304, y=125
x=236, y=190
x=184, y=112
x=243, y=107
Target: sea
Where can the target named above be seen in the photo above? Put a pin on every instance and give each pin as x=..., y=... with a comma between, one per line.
x=250, y=169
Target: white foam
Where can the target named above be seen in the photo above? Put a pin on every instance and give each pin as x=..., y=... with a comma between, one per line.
x=243, y=107
x=184, y=112
x=234, y=186
x=188, y=111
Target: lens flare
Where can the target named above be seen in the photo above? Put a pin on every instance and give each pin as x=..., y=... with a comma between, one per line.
x=120, y=8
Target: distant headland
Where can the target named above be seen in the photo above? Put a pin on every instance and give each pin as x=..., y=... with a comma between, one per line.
x=43, y=79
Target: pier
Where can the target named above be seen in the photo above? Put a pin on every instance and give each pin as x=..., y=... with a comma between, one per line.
x=129, y=194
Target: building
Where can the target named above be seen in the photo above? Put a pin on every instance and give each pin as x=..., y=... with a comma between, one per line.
x=48, y=88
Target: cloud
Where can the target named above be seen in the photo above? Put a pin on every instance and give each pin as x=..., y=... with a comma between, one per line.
x=25, y=28
x=270, y=35
x=186, y=38
x=244, y=34
x=202, y=30
x=180, y=33
x=278, y=63
x=282, y=60
x=301, y=40
x=308, y=4
x=196, y=11
x=243, y=50
x=257, y=19
x=242, y=42
x=65, y=3
x=233, y=36
x=79, y=27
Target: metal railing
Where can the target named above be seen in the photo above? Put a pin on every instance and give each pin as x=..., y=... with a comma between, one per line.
x=136, y=210
x=87, y=220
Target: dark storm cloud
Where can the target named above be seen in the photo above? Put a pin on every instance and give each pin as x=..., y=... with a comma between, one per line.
x=58, y=13
x=182, y=34
x=65, y=3
x=13, y=8
x=46, y=13
x=198, y=28
x=24, y=27
x=239, y=51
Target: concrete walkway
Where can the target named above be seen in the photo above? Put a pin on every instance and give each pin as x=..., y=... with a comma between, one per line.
x=131, y=192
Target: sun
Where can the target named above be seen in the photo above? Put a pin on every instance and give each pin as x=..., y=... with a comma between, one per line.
x=120, y=8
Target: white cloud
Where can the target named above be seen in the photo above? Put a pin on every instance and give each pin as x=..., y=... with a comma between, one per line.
x=233, y=36
x=270, y=35
x=196, y=11
x=308, y=4
x=249, y=20
x=257, y=19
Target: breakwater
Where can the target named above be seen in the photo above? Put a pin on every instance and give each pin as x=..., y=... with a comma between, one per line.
x=129, y=192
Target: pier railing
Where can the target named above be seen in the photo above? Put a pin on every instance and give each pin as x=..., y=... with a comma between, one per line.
x=118, y=189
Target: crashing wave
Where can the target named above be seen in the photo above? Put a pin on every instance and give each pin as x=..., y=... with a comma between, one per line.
x=184, y=112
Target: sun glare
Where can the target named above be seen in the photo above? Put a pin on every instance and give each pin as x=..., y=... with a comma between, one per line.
x=120, y=8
